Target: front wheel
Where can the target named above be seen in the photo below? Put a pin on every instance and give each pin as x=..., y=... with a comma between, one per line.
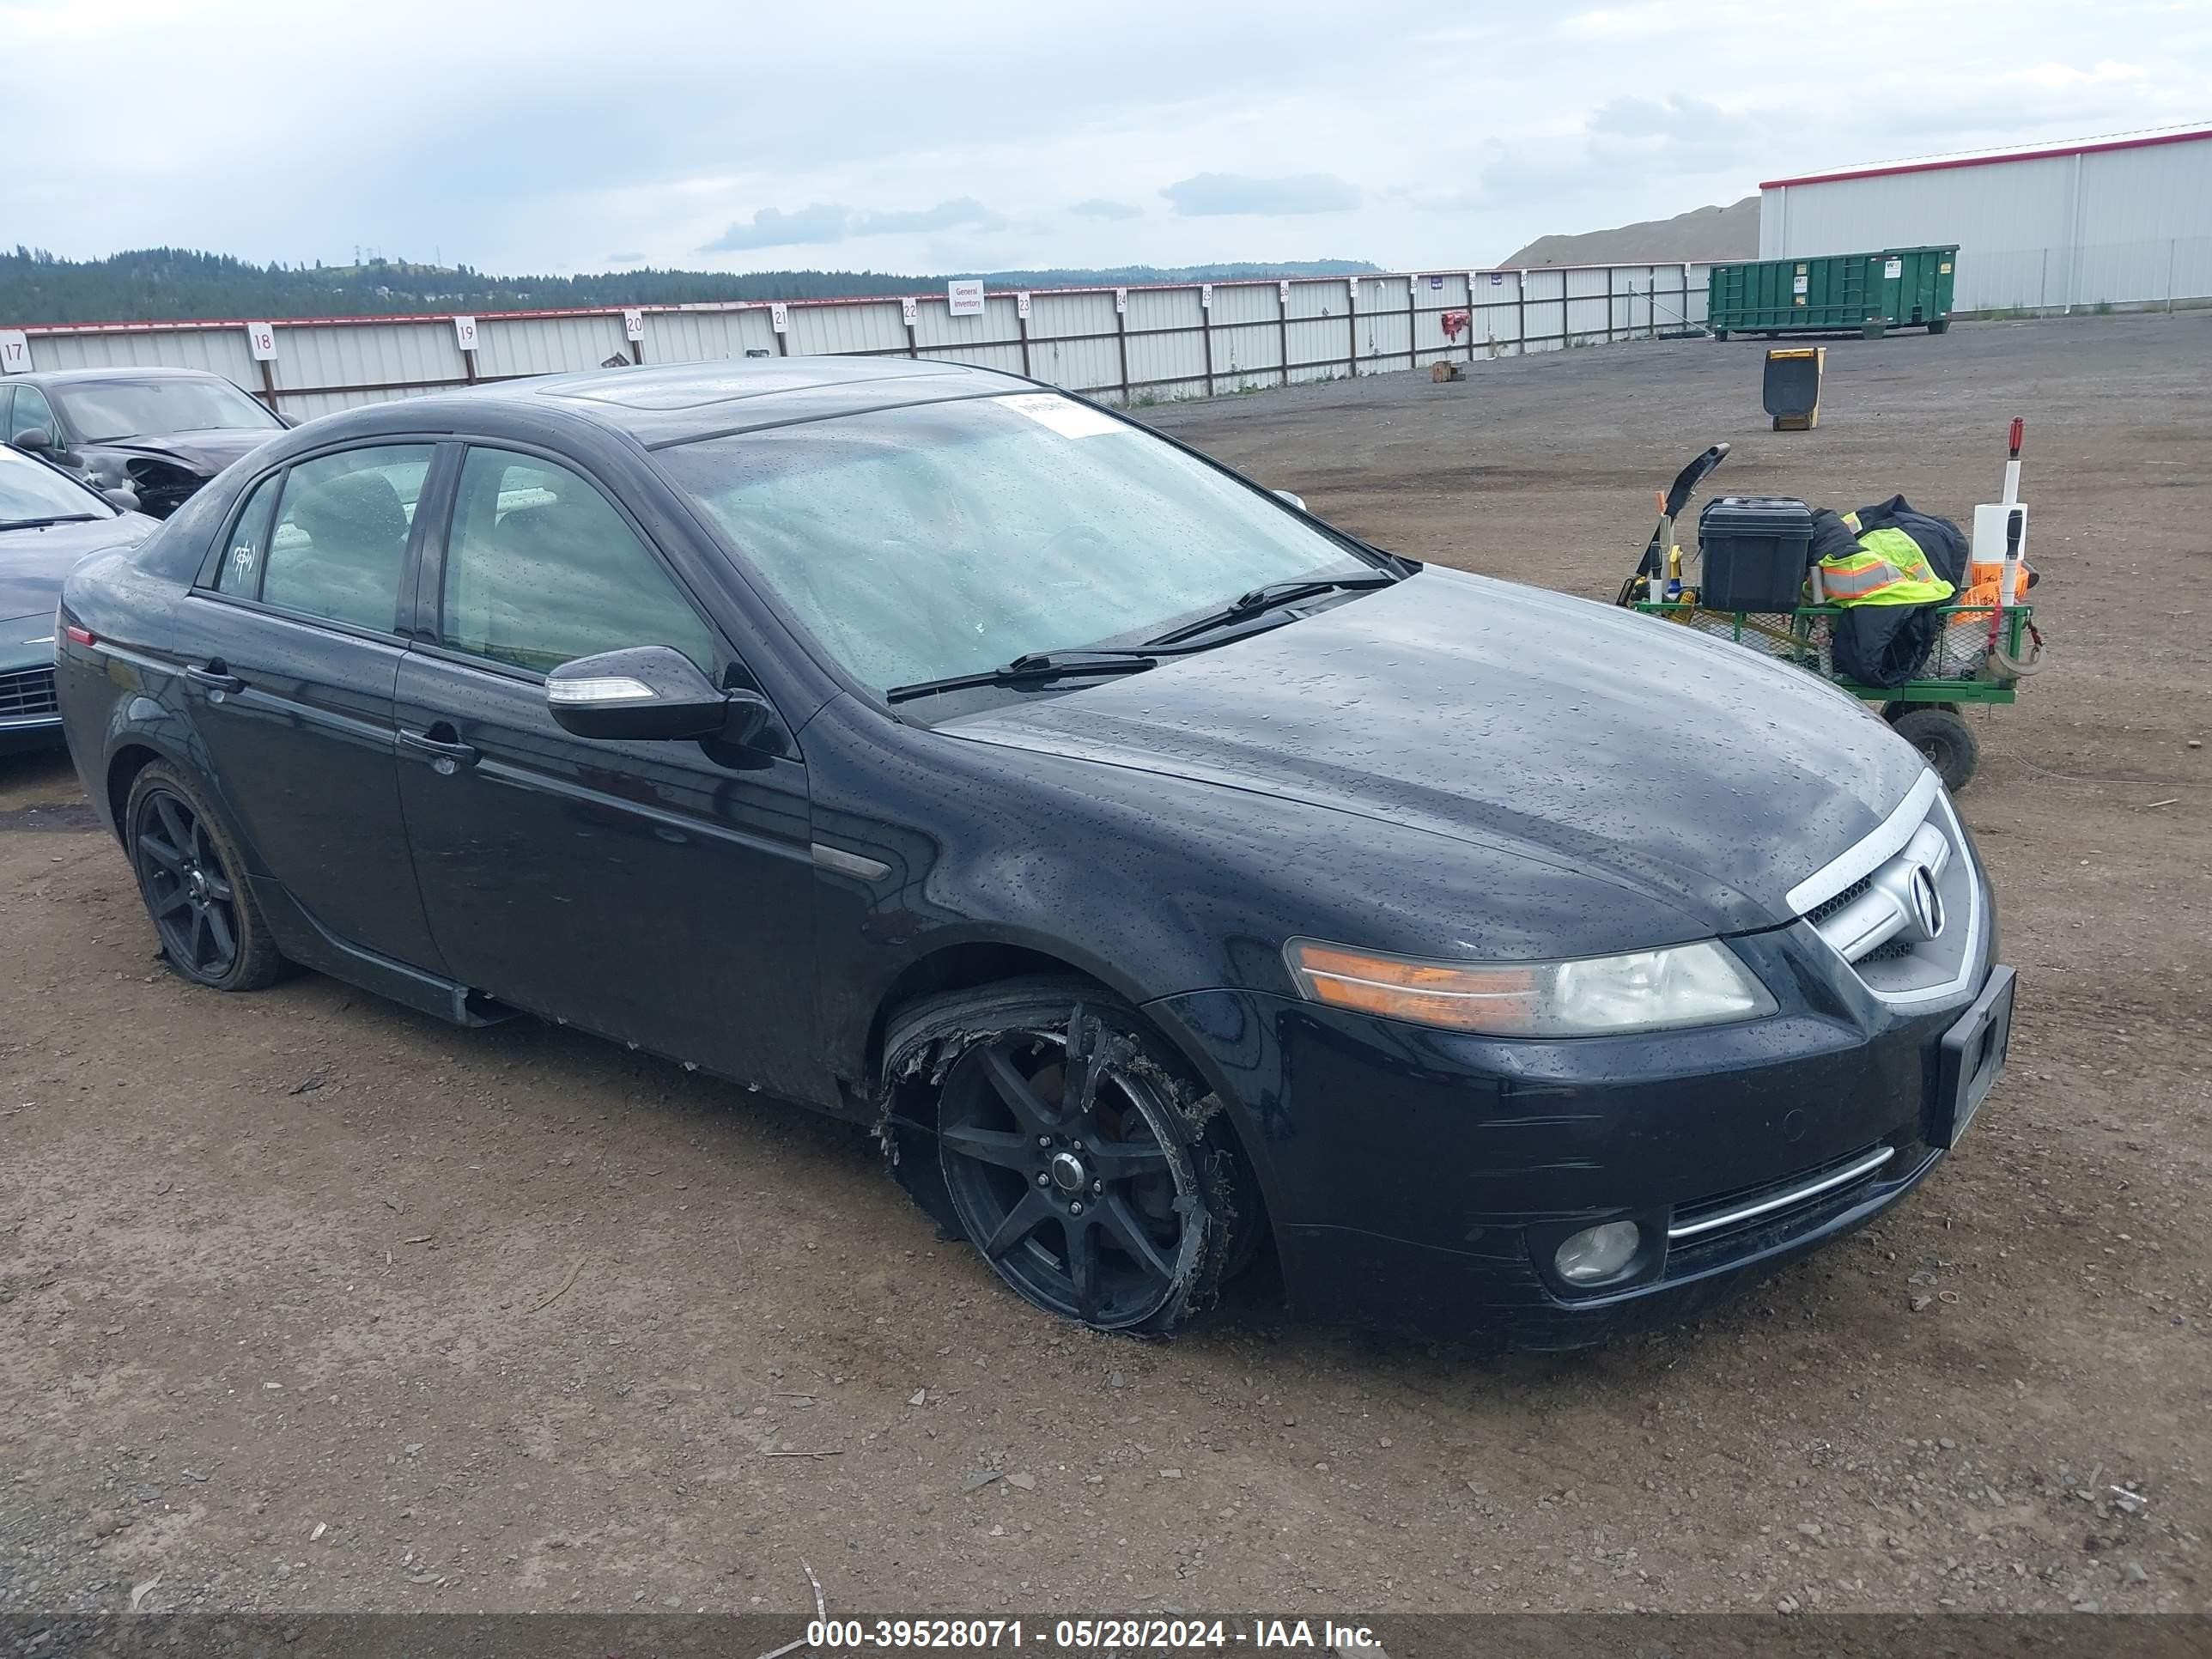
x=1045, y=1122
x=1946, y=740
x=194, y=884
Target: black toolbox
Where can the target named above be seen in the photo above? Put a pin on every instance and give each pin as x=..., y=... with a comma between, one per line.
x=1755, y=549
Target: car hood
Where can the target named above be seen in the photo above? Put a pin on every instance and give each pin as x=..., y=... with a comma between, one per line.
x=207, y=453
x=34, y=562
x=1691, y=769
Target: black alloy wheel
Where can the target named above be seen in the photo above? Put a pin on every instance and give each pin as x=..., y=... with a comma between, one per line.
x=1059, y=1156
x=190, y=876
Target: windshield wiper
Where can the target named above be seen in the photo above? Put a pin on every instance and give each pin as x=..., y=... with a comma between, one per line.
x=1032, y=668
x=1259, y=601
x=40, y=523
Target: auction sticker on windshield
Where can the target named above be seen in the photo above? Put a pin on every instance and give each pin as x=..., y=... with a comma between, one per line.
x=1063, y=415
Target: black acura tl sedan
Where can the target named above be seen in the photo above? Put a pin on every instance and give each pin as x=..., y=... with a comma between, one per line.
x=1162, y=873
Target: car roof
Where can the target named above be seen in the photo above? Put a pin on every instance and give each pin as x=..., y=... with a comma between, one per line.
x=149, y=372
x=681, y=402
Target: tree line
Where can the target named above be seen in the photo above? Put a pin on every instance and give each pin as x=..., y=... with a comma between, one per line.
x=157, y=283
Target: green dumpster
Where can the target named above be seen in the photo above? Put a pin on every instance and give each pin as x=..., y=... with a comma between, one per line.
x=1864, y=293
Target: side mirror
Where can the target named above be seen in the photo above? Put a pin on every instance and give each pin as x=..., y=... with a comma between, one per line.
x=39, y=441
x=120, y=496
x=1299, y=501
x=648, y=693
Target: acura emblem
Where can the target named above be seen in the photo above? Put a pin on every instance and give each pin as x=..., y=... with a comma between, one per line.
x=1927, y=903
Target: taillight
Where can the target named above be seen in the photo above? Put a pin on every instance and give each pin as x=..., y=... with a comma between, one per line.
x=81, y=636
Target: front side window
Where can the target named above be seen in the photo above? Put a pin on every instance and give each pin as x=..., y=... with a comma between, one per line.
x=948, y=538
x=33, y=414
x=340, y=536
x=102, y=409
x=540, y=569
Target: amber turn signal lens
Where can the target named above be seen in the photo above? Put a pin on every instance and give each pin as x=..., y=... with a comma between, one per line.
x=1474, y=998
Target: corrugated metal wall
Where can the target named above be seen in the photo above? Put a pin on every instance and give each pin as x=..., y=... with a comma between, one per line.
x=1135, y=345
x=2119, y=226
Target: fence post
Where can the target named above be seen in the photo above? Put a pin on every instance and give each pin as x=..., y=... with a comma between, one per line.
x=1205, y=336
x=1563, y=286
x=1520, y=312
x=1021, y=323
x=1608, y=305
x=268, y=380
x=1282, y=326
x=1412, y=349
x=1351, y=323
x=1121, y=339
x=1470, y=319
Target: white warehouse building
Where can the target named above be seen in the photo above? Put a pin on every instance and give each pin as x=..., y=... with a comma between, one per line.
x=2122, y=220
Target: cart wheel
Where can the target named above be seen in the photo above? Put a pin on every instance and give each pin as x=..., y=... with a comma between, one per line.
x=1874, y=331
x=1720, y=334
x=1946, y=740
x=1941, y=325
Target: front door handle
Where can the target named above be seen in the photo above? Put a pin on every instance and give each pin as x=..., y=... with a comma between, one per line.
x=215, y=678
x=447, y=754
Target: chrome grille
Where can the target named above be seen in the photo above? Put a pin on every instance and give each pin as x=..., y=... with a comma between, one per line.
x=1904, y=907
x=27, y=694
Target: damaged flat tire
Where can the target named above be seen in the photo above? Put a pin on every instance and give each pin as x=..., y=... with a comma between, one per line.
x=1043, y=1121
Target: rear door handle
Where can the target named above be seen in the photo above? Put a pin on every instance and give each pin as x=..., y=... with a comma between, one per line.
x=444, y=754
x=213, y=678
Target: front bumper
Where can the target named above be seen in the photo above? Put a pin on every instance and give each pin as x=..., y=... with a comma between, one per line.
x=1421, y=1179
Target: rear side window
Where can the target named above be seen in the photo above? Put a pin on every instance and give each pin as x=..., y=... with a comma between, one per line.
x=240, y=572
x=541, y=569
x=339, y=536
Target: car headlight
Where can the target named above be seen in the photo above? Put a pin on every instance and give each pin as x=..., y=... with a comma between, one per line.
x=1700, y=984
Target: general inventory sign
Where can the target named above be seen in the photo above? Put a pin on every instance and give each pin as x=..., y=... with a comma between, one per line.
x=964, y=298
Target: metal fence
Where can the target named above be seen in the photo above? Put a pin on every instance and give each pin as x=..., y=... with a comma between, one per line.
x=1128, y=345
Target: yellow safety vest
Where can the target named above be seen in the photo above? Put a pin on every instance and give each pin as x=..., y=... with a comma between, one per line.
x=1888, y=568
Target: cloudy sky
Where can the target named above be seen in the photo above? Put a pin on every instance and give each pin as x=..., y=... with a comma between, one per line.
x=930, y=135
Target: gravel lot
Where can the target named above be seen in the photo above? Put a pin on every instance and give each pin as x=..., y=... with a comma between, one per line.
x=307, y=1302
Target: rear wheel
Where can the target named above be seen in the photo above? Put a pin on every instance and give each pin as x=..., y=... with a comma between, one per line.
x=194, y=884
x=1072, y=1149
x=1946, y=740
x=1941, y=325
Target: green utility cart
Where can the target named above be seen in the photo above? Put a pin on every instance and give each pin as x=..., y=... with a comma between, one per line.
x=1867, y=293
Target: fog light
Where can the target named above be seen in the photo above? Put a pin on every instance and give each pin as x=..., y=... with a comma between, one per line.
x=1597, y=1254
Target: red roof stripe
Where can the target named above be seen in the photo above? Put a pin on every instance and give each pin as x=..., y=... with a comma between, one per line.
x=1944, y=163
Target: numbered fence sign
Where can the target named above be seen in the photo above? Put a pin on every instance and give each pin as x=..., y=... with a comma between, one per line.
x=1021, y=307
x=633, y=325
x=261, y=341
x=1121, y=300
x=779, y=318
x=1283, y=293
x=964, y=298
x=910, y=310
x=1205, y=296
x=15, y=351
x=1436, y=282
x=1352, y=292
x=465, y=332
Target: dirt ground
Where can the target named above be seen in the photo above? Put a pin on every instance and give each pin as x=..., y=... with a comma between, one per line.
x=307, y=1302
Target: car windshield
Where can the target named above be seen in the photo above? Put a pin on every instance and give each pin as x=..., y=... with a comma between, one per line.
x=949, y=538
x=31, y=491
x=101, y=410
